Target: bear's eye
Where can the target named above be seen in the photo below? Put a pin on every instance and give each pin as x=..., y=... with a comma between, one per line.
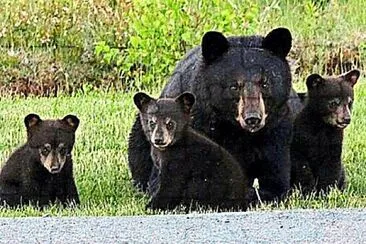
x=234, y=87
x=350, y=104
x=62, y=151
x=334, y=103
x=170, y=125
x=264, y=83
x=45, y=151
x=152, y=124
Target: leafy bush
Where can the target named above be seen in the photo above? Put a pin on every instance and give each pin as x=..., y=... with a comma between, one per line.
x=135, y=44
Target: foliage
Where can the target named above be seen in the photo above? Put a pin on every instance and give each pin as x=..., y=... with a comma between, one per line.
x=126, y=44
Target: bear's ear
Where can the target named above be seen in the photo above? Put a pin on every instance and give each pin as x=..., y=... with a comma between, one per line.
x=141, y=101
x=31, y=120
x=352, y=76
x=278, y=41
x=214, y=45
x=71, y=121
x=186, y=100
x=314, y=80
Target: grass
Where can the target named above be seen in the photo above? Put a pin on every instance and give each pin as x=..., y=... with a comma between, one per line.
x=101, y=171
x=99, y=154
x=99, y=52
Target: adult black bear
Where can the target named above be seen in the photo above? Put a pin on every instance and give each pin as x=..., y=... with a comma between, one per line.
x=242, y=86
x=192, y=168
x=41, y=171
x=318, y=133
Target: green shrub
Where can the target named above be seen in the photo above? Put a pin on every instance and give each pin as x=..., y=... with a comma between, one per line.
x=135, y=44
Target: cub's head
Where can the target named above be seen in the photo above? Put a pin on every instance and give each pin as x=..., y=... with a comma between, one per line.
x=53, y=139
x=164, y=120
x=246, y=79
x=332, y=97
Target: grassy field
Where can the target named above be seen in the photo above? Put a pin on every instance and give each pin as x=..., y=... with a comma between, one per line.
x=95, y=54
x=100, y=153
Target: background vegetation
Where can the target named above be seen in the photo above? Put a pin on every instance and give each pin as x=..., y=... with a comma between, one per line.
x=64, y=45
x=93, y=55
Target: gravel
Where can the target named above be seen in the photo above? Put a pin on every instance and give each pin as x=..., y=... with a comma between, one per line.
x=320, y=226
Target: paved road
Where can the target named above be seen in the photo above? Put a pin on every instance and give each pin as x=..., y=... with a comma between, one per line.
x=326, y=226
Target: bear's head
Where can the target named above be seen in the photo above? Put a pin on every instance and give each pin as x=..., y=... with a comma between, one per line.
x=332, y=97
x=53, y=140
x=245, y=80
x=164, y=120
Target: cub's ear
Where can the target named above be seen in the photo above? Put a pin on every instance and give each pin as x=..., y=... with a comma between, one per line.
x=32, y=120
x=213, y=45
x=72, y=121
x=186, y=100
x=278, y=41
x=314, y=80
x=352, y=76
x=141, y=101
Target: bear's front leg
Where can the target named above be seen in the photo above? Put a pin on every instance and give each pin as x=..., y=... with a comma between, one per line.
x=329, y=175
x=31, y=194
x=274, y=163
x=71, y=196
x=164, y=200
x=301, y=173
x=168, y=193
x=9, y=194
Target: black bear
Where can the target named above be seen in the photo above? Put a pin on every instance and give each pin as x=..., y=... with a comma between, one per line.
x=316, y=148
x=242, y=86
x=41, y=171
x=192, y=169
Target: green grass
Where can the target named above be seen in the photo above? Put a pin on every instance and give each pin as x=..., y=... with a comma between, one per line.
x=101, y=171
x=90, y=47
x=100, y=151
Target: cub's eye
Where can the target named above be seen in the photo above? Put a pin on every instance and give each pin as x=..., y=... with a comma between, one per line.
x=62, y=151
x=234, y=87
x=152, y=124
x=170, y=125
x=334, y=103
x=350, y=104
x=265, y=84
x=45, y=151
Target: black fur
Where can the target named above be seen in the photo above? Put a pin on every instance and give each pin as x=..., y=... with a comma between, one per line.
x=317, y=145
x=192, y=169
x=24, y=179
x=214, y=45
x=263, y=154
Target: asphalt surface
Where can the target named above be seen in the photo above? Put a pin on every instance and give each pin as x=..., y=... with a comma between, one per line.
x=307, y=226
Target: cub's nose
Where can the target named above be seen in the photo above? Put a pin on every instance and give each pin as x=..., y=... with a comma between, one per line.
x=55, y=169
x=347, y=121
x=253, y=121
x=159, y=141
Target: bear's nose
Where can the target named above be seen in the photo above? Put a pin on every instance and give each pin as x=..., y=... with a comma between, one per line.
x=252, y=121
x=347, y=121
x=54, y=169
x=159, y=141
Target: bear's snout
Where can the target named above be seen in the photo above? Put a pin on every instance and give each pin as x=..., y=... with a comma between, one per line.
x=252, y=119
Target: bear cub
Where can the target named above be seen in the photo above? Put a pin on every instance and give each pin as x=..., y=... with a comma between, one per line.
x=318, y=133
x=41, y=171
x=193, y=170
